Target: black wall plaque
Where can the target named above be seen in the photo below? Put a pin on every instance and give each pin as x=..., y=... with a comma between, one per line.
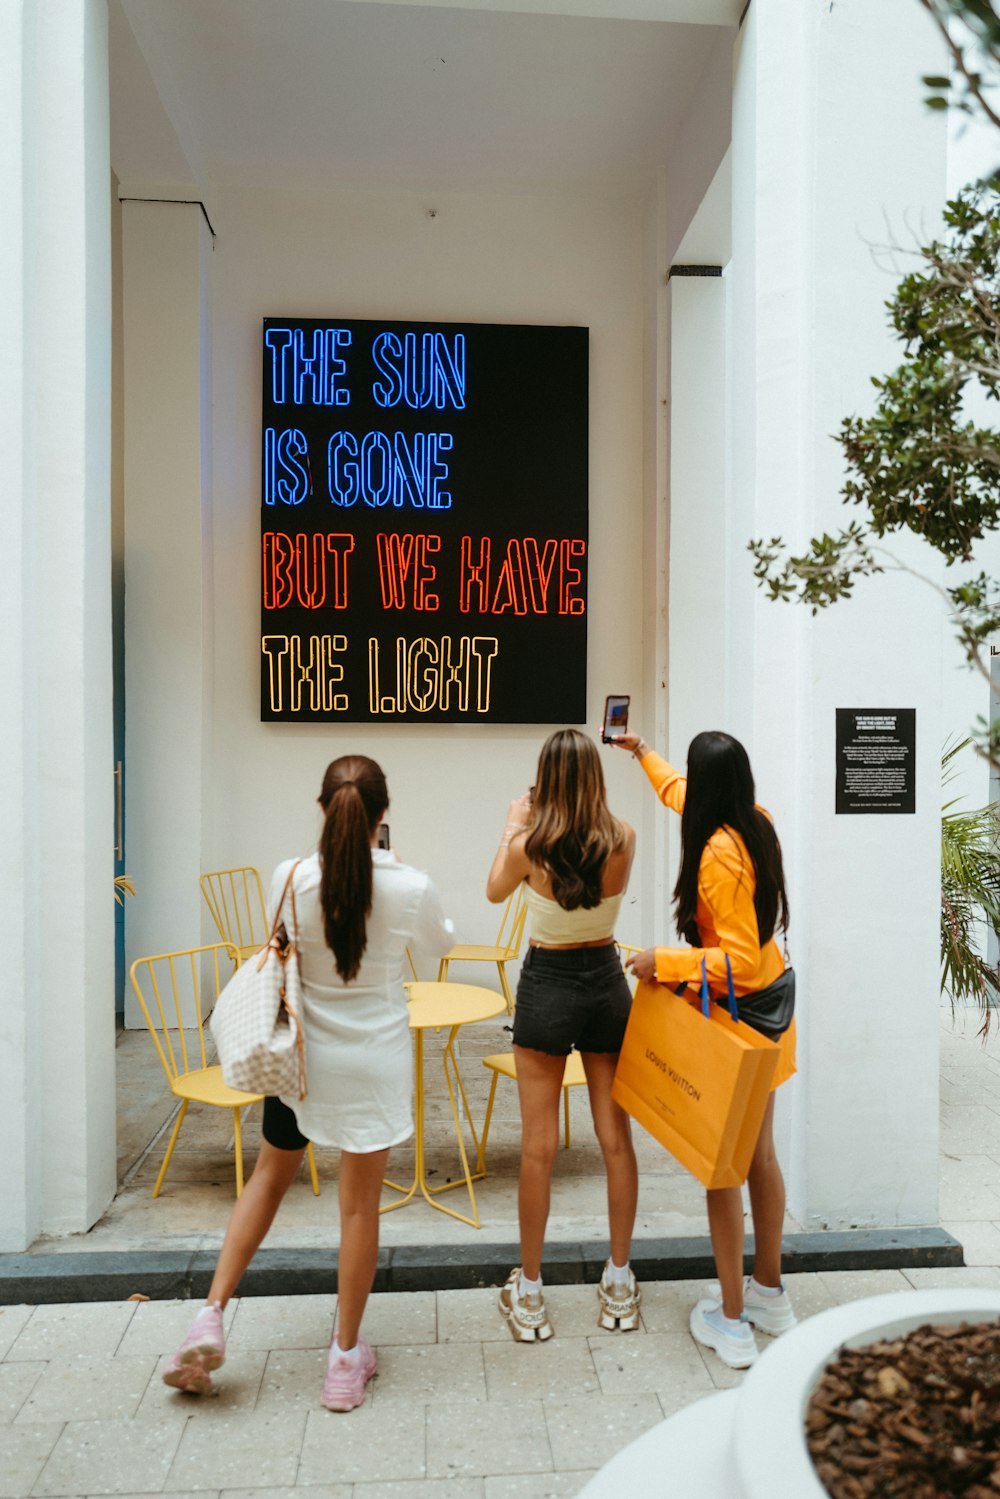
x=424, y=525
x=876, y=759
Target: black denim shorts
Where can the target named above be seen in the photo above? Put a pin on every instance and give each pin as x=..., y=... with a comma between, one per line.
x=280, y=1127
x=571, y=996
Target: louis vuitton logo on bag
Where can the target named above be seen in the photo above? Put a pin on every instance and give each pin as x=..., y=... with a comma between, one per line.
x=684, y=1085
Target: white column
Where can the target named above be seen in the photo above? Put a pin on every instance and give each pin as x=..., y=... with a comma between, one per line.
x=167, y=594
x=832, y=143
x=57, y=1063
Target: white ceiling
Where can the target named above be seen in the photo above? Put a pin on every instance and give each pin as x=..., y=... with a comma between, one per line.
x=301, y=93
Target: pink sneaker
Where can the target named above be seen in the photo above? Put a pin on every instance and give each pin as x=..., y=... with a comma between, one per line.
x=346, y=1377
x=203, y=1350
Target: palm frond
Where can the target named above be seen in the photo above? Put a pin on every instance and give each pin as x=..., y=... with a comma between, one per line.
x=970, y=897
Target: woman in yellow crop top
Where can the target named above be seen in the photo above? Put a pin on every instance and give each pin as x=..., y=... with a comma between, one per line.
x=573, y=858
x=729, y=899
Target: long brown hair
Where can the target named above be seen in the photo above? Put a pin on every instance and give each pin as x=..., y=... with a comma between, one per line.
x=354, y=797
x=573, y=833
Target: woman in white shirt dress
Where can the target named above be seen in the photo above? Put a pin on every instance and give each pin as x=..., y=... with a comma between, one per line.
x=358, y=909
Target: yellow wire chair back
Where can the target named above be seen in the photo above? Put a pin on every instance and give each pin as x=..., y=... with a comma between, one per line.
x=503, y=951
x=515, y=913
x=235, y=898
x=175, y=1004
x=177, y=992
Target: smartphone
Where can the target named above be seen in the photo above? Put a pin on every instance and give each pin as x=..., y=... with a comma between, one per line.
x=383, y=835
x=615, y=718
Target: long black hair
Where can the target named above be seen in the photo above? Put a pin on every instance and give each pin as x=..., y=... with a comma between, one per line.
x=720, y=794
x=353, y=797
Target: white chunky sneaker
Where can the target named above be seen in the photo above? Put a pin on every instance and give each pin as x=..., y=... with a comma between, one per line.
x=525, y=1315
x=619, y=1305
x=772, y=1314
x=734, y=1345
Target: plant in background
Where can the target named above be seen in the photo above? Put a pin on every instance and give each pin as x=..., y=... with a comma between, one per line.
x=970, y=898
x=123, y=887
x=969, y=89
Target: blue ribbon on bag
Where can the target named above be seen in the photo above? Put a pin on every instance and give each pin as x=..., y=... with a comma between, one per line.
x=729, y=1002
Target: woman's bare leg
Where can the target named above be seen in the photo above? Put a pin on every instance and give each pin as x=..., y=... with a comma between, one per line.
x=725, y=1224
x=360, y=1190
x=252, y=1216
x=614, y=1135
x=767, y=1204
x=539, y=1081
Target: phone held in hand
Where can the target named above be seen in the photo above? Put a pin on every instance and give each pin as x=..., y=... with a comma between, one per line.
x=615, y=718
x=383, y=835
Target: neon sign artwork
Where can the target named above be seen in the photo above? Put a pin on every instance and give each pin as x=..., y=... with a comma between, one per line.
x=424, y=522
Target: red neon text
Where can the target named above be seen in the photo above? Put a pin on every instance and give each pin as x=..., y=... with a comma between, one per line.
x=523, y=578
x=308, y=568
x=402, y=559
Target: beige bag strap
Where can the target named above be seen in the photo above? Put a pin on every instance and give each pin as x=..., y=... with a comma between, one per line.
x=288, y=886
x=273, y=942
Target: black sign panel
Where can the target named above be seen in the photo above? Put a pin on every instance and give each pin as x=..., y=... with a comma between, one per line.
x=424, y=527
x=876, y=759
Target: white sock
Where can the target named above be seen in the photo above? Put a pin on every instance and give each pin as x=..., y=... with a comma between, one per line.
x=765, y=1290
x=732, y=1324
x=526, y=1287
x=210, y=1306
x=619, y=1273
x=350, y=1353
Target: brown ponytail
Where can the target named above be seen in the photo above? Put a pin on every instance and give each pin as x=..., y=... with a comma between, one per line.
x=354, y=797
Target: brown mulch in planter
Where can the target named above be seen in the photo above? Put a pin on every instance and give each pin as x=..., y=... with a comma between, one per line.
x=915, y=1418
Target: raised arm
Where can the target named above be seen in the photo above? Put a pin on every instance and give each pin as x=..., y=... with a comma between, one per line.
x=510, y=864
x=668, y=783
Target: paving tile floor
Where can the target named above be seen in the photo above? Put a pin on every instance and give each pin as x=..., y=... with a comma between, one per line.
x=458, y=1409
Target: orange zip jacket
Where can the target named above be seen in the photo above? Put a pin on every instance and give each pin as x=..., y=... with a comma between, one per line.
x=727, y=920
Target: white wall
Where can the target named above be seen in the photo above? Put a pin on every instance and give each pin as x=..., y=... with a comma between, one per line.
x=168, y=597
x=489, y=258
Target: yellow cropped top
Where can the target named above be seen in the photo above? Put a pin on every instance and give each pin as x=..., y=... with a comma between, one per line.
x=554, y=927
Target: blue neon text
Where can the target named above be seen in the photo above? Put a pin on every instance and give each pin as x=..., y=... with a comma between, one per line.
x=403, y=470
x=424, y=373
x=307, y=376
x=285, y=477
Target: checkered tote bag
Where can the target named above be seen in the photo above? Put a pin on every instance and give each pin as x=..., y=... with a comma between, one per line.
x=256, y=1022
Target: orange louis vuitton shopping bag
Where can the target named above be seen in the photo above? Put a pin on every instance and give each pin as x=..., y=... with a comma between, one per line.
x=697, y=1080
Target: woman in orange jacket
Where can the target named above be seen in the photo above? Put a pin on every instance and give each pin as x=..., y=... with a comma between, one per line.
x=729, y=901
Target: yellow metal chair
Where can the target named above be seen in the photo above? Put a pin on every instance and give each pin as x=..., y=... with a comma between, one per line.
x=235, y=897
x=172, y=998
x=504, y=1065
x=505, y=950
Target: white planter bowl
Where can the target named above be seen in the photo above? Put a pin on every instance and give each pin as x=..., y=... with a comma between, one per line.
x=749, y=1443
x=769, y=1449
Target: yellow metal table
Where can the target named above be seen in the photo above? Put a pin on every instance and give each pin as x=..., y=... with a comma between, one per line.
x=436, y=1006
